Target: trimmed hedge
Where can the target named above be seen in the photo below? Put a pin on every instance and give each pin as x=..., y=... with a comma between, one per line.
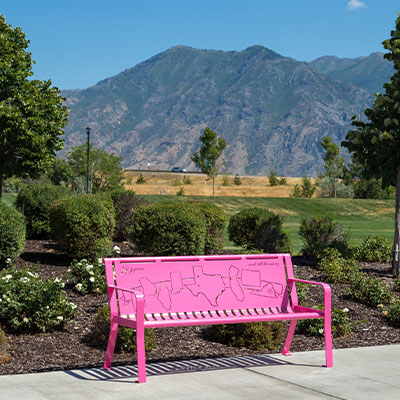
x=34, y=201
x=216, y=220
x=374, y=249
x=12, y=232
x=83, y=225
x=169, y=228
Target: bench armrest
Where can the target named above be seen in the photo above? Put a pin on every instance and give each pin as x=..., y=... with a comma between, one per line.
x=139, y=301
x=135, y=292
x=327, y=293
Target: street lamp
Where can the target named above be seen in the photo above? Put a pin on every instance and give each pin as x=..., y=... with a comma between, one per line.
x=87, y=160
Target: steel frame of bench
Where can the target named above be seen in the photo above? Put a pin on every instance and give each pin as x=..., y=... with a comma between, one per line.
x=155, y=292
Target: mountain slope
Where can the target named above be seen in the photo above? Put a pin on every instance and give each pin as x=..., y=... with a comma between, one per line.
x=369, y=73
x=273, y=111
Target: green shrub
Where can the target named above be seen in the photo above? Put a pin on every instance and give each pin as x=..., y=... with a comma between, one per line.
x=31, y=304
x=270, y=237
x=181, y=191
x=302, y=290
x=125, y=204
x=257, y=228
x=12, y=233
x=126, y=339
x=374, y=249
x=88, y=278
x=34, y=201
x=320, y=233
x=169, y=228
x=337, y=269
x=242, y=226
x=83, y=225
x=315, y=327
x=282, y=181
x=254, y=335
x=216, y=220
x=187, y=180
x=273, y=179
x=369, y=291
x=12, y=185
x=393, y=314
x=140, y=180
x=236, y=180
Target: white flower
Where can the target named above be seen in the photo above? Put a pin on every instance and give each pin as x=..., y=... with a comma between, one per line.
x=321, y=331
x=91, y=273
x=99, y=261
x=24, y=279
x=6, y=278
x=33, y=275
x=78, y=286
x=79, y=264
x=88, y=267
x=73, y=306
x=1, y=300
x=83, y=261
x=60, y=318
x=91, y=279
x=57, y=280
x=26, y=320
x=345, y=309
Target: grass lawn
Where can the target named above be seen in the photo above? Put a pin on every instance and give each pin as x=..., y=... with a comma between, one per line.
x=361, y=217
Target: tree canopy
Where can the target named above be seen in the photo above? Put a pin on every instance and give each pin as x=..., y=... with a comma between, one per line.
x=375, y=143
x=32, y=113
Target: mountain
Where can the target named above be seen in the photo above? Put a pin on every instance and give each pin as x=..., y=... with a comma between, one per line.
x=369, y=73
x=273, y=111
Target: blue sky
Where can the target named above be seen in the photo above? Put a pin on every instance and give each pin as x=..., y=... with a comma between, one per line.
x=78, y=43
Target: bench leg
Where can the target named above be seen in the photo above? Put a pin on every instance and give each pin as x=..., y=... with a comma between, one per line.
x=111, y=344
x=328, y=342
x=289, y=337
x=141, y=353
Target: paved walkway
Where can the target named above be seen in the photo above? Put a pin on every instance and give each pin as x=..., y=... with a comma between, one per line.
x=360, y=373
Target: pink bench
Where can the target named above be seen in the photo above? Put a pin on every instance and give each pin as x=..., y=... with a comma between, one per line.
x=155, y=292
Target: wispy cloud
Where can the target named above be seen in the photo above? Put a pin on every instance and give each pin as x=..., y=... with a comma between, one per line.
x=355, y=4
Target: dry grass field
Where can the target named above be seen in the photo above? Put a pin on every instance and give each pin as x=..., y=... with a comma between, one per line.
x=169, y=183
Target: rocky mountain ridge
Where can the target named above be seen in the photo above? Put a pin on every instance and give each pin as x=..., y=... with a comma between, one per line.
x=273, y=111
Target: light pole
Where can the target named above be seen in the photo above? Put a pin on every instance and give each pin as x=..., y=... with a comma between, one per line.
x=87, y=160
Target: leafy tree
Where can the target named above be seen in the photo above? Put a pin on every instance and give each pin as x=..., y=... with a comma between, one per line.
x=105, y=169
x=273, y=179
x=334, y=167
x=375, y=144
x=32, y=113
x=61, y=172
x=207, y=158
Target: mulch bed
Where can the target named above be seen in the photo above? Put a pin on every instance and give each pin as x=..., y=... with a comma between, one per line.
x=72, y=347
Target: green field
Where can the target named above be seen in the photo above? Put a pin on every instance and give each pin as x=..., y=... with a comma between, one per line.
x=361, y=217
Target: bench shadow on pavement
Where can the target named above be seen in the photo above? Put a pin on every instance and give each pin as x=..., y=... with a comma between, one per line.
x=120, y=373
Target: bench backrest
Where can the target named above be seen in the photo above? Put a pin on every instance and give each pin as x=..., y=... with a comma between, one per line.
x=201, y=283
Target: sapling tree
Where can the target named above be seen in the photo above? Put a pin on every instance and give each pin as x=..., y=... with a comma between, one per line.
x=208, y=156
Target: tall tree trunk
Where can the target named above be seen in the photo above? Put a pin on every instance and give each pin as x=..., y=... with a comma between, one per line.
x=396, y=241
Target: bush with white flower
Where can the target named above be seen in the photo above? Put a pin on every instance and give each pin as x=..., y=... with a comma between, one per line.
x=87, y=277
x=341, y=325
x=31, y=304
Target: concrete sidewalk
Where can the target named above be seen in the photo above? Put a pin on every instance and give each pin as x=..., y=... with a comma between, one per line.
x=360, y=373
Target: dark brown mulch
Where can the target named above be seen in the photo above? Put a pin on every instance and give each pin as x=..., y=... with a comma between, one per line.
x=71, y=348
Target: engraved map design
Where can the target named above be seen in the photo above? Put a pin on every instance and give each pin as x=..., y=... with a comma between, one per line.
x=239, y=282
